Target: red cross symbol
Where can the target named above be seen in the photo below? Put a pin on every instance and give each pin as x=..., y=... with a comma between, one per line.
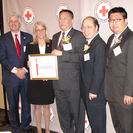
x=103, y=11
x=28, y=15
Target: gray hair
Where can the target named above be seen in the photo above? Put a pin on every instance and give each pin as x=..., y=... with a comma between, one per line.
x=14, y=14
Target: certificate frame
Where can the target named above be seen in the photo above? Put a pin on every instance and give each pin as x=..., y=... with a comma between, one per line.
x=43, y=67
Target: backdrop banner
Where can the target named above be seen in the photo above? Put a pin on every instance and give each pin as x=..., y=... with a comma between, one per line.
x=34, y=10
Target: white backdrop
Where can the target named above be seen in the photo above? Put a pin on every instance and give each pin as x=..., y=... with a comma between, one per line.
x=46, y=10
x=88, y=7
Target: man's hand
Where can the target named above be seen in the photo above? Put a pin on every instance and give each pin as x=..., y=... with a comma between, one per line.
x=92, y=96
x=56, y=52
x=20, y=73
x=128, y=100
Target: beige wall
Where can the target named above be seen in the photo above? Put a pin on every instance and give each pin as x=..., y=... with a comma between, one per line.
x=1, y=92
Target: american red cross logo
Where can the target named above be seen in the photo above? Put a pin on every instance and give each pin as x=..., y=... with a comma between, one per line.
x=103, y=11
x=28, y=15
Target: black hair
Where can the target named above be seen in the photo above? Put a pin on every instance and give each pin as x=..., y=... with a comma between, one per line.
x=118, y=10
x=68, y=11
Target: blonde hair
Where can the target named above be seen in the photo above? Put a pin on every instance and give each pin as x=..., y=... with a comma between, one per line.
x=40, y=23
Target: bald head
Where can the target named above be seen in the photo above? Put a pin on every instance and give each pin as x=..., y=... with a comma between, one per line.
x=89, y=27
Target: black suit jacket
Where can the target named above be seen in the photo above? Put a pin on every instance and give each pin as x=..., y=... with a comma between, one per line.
x=34, y=49
x=69, y=62
x=93, y=70
x=119, y=69
x=9, y=59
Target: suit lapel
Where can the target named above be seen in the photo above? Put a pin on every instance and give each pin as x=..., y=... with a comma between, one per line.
x=23, y=38
x=71, y=32
x=23, y=46
x=37, y=49
x=93, y=42
x=111, y=48
x=55, y=43
x=12, y=43
x=47, y=48
x=123, y=37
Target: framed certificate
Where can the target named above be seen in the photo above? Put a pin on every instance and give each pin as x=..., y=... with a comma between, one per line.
x=43, y=67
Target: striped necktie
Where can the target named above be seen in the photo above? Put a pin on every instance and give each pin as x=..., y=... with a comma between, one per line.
x=60, y=46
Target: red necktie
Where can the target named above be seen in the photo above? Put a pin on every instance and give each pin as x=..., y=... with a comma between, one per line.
x=18, y=46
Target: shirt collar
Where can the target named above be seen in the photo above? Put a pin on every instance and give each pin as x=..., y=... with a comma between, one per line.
x=66, y=32
x=89, y=40
x=117, y=35
x=18, y=33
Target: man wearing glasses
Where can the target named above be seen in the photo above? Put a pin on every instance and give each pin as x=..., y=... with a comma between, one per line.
x=119, y=71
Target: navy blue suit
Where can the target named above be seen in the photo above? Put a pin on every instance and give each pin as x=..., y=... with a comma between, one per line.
x=14, y=86
x=93, y=71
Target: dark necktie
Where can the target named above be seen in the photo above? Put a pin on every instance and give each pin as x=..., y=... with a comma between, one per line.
x=18, y=46
x=60, y=46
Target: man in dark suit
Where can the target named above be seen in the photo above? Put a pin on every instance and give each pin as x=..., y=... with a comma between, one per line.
x=13, y=72
x=93, y=72
x=119, y=71
x=67, y=91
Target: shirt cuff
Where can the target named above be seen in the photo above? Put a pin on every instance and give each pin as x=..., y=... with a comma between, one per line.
x=14, y=70
x=25, y=69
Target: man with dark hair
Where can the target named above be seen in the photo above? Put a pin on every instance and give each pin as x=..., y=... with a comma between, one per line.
x=68, y=46
x=116, y=10
x=119, y=71
x=66, y=10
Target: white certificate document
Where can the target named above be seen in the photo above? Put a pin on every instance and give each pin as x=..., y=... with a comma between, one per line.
x=43, y=67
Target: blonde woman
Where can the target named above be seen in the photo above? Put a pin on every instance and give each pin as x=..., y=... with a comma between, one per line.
x=41, y=93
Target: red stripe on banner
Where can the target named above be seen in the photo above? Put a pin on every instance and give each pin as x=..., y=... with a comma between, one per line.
x=37, y=73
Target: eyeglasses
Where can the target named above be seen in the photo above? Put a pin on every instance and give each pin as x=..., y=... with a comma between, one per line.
x=115, y=20
x=40, y=30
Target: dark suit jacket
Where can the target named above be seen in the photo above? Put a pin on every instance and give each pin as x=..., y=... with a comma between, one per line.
x=93, y=70
x=119, y=69
x=9, y=59
x=34, y=49
x=69, y=62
